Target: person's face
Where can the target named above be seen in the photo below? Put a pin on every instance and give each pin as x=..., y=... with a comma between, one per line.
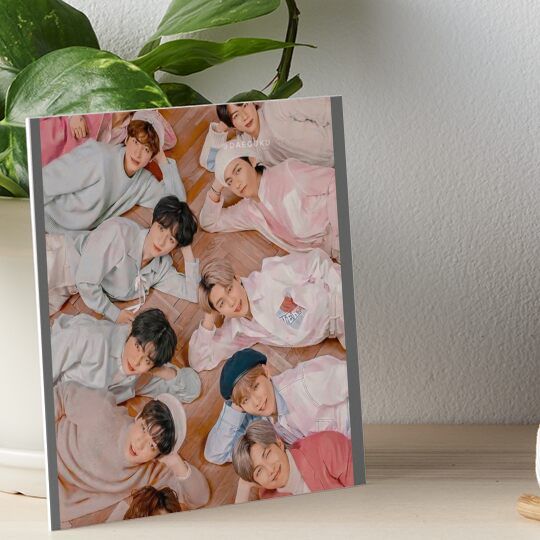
x=241, y=178
x=231, y=301
x=261, y=399
x=245, y=118
x=271, y=467
x=159, y=241
x=140, y=446
x=137, y=359
x=137, y=156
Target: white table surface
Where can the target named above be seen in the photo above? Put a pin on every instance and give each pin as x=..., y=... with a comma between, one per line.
x=424, y=482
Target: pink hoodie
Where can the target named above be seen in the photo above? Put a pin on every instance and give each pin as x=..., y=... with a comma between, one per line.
x=298, y=209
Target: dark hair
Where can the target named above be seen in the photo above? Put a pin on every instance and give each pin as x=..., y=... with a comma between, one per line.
x=176, y=215
x=148, y=501
x=160, y=425
x=151, y=326
x=258, y=168
x=145, y=133
x=223, y=115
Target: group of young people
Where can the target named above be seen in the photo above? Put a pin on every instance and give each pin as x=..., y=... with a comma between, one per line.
x=285, y=434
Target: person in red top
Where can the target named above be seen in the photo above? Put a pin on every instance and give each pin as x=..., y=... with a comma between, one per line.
x=315, y=463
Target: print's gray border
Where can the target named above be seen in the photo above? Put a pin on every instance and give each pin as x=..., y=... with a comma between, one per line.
x=44, y=334
x=353, y=374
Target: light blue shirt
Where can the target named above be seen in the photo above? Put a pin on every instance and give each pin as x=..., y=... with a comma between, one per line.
x=232, y=424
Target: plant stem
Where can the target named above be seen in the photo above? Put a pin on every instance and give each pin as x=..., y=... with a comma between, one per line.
x=286, y=56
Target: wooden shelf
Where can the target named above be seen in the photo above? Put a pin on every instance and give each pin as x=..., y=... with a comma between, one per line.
x=424, y=482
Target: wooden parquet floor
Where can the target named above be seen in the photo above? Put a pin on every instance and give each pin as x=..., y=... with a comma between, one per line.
x=245, y=250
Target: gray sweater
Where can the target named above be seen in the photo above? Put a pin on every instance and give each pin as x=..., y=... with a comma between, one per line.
x=89, y=184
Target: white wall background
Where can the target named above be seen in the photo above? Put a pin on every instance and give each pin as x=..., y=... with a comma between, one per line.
x=442, y=105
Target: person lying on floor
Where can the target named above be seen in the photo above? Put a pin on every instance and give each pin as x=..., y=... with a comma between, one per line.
x=147, y=501
x=277, y=130
x=61, y=134
x=293, y=301
x=311, y=397
x=102, y=354
x=293, y=204
x=122, y=260
x=96, y=180
x=317, y=462
x=103, y=454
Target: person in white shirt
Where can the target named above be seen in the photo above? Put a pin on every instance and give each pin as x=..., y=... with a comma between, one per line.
x=102, y=354
x=276, y=130
x=293, y=301
x=122, y=260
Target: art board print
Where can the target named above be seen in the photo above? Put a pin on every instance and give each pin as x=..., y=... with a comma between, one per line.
x=195, y=289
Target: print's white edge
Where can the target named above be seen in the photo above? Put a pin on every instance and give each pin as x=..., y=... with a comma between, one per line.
x=33, y=143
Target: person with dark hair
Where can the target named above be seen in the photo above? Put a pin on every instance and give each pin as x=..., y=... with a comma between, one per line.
x=176, y=216
x=293, y=204
x=147, y=501
x=96, y=180
x=102, y=354
x=276, y=130
x=122, y=260
x=103, y=454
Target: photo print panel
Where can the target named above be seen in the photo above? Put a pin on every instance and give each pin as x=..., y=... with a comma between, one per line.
x=196, y=304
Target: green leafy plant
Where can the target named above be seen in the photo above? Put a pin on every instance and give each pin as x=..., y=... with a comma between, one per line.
x=51, y=63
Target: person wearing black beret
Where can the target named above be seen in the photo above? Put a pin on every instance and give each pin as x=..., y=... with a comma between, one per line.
x=311, y=397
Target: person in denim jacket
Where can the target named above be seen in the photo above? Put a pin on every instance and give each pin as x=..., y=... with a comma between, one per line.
x=309, y=398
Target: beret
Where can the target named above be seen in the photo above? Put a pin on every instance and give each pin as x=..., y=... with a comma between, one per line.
x=236, y=367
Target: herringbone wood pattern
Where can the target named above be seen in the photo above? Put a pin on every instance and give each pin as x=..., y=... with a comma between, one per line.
x=245, y=250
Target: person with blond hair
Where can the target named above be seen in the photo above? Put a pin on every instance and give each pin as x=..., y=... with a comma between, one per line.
x=293, y=301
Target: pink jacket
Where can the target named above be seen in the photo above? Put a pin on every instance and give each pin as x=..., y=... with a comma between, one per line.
x=57, y=140
x=298, y=209
x=324, y=460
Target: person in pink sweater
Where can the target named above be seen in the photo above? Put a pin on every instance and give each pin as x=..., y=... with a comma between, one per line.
x=61, y=134
x=293, y=204
x=317, y=462
x=103, y=454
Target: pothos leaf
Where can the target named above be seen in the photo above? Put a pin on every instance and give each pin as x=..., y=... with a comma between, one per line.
x=185, y=16
x=29, y=30
x=250, y=95
x=182, y=94
x=79, y=79
x=287, y=89
x=187, y=56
